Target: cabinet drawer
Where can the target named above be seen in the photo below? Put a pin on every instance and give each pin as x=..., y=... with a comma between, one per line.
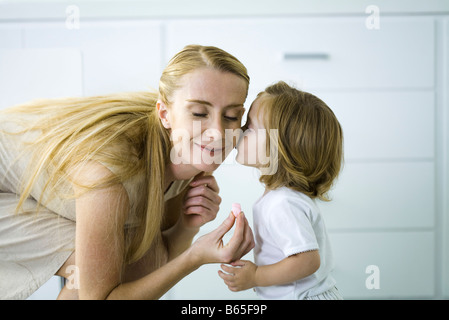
x=117, y=56
x=27, y=74
x=10, y=37
x=382, y=195
x=320, y=52
x=385, y=125
x=405, y=261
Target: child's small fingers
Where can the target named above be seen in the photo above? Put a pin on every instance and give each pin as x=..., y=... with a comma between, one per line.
x=227, y=269
x=226, y=277
x=238, y=263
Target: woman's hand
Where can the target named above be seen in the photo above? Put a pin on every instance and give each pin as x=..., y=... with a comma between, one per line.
x=211, y=249
x=201, y=202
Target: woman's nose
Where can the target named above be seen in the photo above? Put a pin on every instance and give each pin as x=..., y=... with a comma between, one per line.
x=215, y=131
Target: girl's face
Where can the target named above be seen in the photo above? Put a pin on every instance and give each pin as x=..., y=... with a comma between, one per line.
x=206, y=104
x=252, y=146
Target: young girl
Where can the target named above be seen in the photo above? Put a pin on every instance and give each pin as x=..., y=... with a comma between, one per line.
x=292, y=253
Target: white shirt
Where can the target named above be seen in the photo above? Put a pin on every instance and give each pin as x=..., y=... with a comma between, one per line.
x=287, y=222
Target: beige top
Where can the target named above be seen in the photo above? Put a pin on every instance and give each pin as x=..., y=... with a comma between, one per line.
x=33, y=247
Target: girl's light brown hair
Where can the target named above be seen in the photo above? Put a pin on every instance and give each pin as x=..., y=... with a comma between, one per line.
x=122, y=131
x=310, y=140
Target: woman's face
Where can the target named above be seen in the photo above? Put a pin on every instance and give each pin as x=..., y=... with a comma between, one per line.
x=252, y=146
x=207, y=104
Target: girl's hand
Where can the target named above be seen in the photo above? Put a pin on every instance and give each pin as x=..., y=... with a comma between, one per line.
x=241, y=276
x=201, y=202
x=211, y=249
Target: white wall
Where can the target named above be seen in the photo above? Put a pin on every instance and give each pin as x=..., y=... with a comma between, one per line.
x=388, y=87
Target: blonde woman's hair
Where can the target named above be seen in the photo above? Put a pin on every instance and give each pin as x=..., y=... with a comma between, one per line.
x=122, y=131
x=309, y=140
x=193, y=57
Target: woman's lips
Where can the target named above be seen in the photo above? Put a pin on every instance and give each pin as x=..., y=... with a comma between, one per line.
x=210, y=149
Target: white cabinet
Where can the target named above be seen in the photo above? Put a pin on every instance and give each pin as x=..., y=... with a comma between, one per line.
x=27, y=74
x=11, y=37
x=445, y=159
x=404, y=262
x=320, y=53
x=117, y=57
x=385, y=125
x=383, y=195
x=99, y=58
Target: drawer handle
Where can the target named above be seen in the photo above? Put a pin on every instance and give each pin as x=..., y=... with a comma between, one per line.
x=306, y=56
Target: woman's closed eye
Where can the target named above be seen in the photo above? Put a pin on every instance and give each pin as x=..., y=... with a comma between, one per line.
x=229, y=118
x=204, y=115
x=199, y=115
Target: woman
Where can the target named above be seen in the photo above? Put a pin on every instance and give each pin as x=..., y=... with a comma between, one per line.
x=99, y=200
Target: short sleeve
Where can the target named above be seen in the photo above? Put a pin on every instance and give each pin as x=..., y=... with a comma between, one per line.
x=290, y=226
